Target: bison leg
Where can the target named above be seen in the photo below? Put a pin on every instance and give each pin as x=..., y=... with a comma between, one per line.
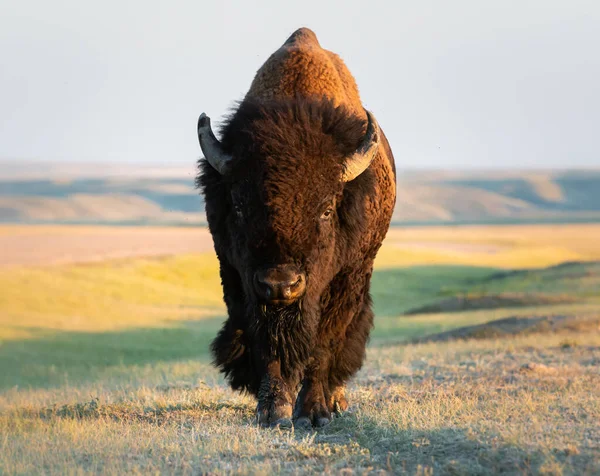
x=274, y=399
x=318, y=401
x=311, y=405
x=349, y=358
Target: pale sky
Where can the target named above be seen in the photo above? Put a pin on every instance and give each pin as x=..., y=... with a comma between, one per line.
x=454, y=84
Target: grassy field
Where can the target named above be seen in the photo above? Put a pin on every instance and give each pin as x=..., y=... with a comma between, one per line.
x=104, y=366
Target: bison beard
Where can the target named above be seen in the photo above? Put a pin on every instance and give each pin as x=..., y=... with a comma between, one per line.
x=281, y=333
x=273, y=334
x=298, y=184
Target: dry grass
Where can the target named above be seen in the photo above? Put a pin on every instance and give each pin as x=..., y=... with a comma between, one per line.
x=523, y=246
x=527, y=405
x=50, y=244
x=500, y=246
x=104, y=369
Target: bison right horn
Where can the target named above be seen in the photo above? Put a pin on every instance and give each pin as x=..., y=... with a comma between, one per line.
x=211, y=147
x=364, y=155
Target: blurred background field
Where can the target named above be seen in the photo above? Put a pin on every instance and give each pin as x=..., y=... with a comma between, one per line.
x=124, y=194
x=105, y=364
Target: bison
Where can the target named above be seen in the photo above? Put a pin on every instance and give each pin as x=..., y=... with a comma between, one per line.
x=299, y=195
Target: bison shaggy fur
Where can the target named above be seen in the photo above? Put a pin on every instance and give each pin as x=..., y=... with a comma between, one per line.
x=282, y=204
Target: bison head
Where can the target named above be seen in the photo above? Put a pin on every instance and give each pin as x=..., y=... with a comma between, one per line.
x=279, y=195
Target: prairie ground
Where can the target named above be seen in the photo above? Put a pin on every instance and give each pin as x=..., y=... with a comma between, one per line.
x=49, y=245
x=104, y=364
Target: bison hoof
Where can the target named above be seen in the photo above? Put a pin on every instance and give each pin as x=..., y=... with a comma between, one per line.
x=311, y=408
x=274, y=404
x=283, y=424
x=303, y=423
x=322, y=421
x=271, y=415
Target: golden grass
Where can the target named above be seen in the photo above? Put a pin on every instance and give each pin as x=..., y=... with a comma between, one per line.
x=518, y=246
x=109, y=296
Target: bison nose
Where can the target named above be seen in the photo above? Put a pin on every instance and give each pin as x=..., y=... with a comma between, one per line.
x=279, y=285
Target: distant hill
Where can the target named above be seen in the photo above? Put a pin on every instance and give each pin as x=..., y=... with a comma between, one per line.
x=130, y=194
x=498, y=196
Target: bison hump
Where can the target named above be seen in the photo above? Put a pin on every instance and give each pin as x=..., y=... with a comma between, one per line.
x=303, y=36
x=302, y=68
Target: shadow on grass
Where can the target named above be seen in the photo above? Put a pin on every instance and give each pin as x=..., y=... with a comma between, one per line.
x=353, y=441
x=451, y=450
x=185, y=413
x=51, y=358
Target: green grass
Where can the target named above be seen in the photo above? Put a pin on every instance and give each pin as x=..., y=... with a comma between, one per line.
x=396, y=290
x=104, y=368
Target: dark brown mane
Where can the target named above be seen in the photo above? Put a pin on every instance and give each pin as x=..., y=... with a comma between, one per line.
x=284, y=123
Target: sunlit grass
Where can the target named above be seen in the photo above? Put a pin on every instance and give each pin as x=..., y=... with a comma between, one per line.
x=110, y=295
x=525, y=246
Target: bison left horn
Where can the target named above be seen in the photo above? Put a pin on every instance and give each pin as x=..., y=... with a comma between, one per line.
x=211, y=147
x=365, y=153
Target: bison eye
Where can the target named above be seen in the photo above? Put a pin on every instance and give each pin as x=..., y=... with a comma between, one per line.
x=238, y=211
x=327, y=214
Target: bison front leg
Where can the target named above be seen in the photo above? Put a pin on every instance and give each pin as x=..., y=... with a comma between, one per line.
x=311, y=407
x=274, y=398
x=318, y=401
x=324, y=388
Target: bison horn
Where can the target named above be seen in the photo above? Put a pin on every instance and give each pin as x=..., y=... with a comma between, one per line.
x=365, y=153
x=211, y=147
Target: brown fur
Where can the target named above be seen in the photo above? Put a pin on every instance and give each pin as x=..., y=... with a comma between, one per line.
x=302, y=67
x=290, y=138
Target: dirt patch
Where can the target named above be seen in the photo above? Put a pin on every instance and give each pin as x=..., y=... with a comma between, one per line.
x=512, y=326
x=488, y=301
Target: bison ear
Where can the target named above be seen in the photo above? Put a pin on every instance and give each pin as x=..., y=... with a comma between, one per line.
x=364, y=155
x=211, y=147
